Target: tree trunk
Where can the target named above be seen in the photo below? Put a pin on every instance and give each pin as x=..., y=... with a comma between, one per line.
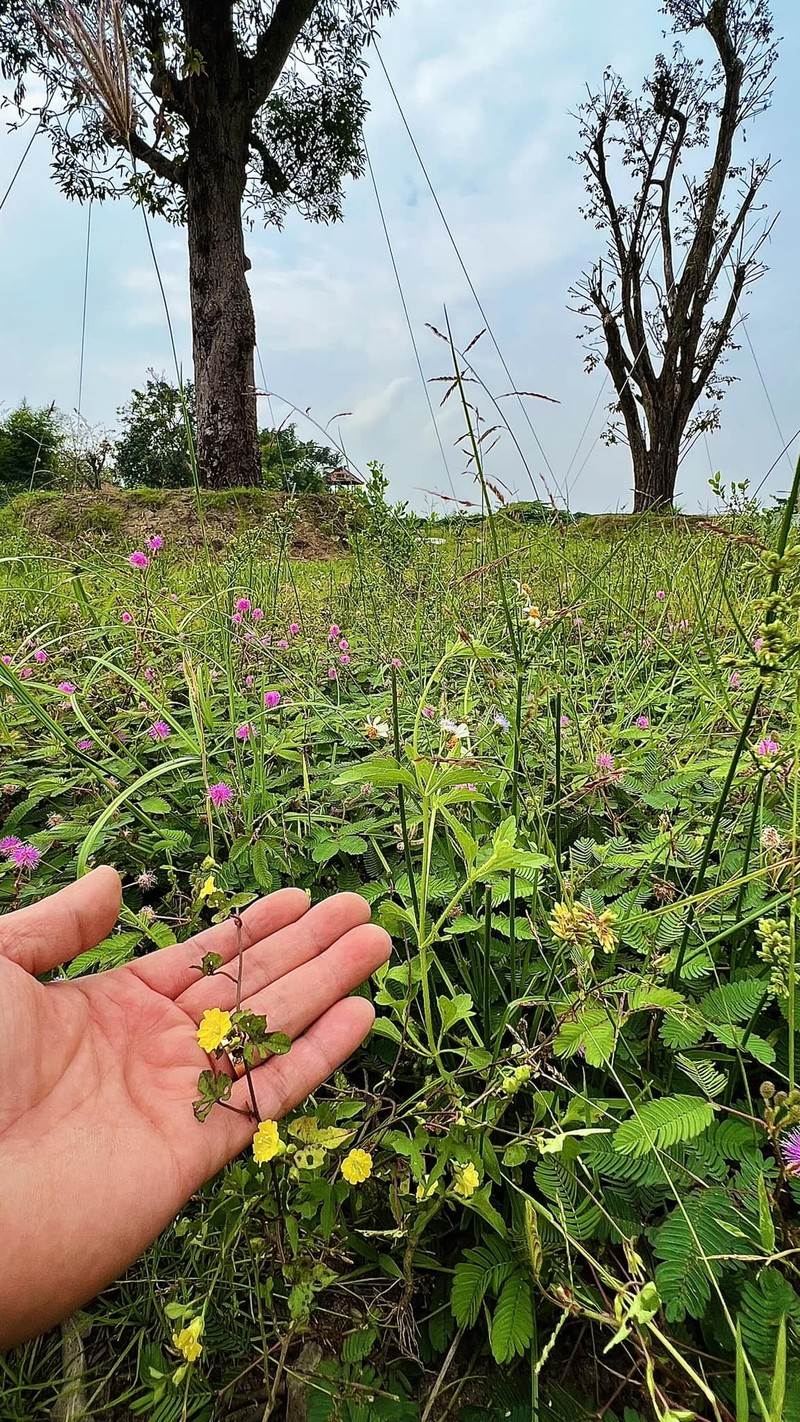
x=655, y=473
x=223, y=324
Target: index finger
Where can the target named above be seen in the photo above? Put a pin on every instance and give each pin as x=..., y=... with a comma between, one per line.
x=172, y=970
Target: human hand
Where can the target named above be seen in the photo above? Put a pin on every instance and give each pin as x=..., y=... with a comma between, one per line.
x=99, y=1147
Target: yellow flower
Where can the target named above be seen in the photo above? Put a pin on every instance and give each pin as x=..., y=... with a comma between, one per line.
x=188, y=1342
x=266, y=1142
x=571, y=923
x=213, y=1029
x=357, y=1167
x=466, y=1180
x=208, y=888
x=604, y=933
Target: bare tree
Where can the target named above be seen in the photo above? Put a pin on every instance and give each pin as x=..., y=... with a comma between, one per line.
x=683, y=238
x=202, y=109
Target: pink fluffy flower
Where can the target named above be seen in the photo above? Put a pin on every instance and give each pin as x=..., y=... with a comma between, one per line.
x=25, y=673
x=138, y=560
x=294, y=628
x=767, y=747
x=159, y=731
x=40, y=656
x=248, y=681
x=661, y=595
x=344, y=645
x=68, y=687
x=25, y=856
x=149, y=674
x=236, y=619
x=334, y=631
x=283, y=644
x=8, y=845
x=396, y=663
x=155, y=543
x=643, y=723
x=605, y=761
x=757, y=645
x=428, y=712
x=220, y=794
x=258, y=613
x=244, y=732
x=734, y=681
x=126, y=618
x=564, y=721
x=6, y=660
x=243, y=604
x=790, y=1150
x=85, y=745
x=272, y=699
x=332, y=673
x=345, y=660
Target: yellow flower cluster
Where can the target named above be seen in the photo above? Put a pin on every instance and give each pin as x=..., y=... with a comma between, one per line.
x=188, y=1342
x=214, y=1028
x=466, y=1180
x=577, y=925
x=357, y=1167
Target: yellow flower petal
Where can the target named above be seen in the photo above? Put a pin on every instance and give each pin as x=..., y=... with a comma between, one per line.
x=188, y=1342
x=208, y=888
x=266, y=1142
x=213, y=1029
x=357, y=1167
x=466, y=1180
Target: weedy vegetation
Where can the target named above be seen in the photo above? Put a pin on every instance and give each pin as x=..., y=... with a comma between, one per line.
x=561, y=1177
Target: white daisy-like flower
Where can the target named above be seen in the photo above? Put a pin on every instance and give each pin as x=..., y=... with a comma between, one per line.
x=375, y=729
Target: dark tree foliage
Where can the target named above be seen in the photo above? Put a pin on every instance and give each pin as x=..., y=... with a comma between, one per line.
x=671, y=190
x=154, y=446
x=31, y=443
x=209, y=112
x=297, y=466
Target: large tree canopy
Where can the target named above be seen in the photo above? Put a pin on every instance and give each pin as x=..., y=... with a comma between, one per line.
x=203, y=110
x=670, y=188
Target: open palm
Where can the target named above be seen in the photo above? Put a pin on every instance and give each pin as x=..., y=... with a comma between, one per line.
x=98, y=1142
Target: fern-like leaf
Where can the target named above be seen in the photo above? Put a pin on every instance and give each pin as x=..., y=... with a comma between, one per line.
x=659, y=1124
x=512, y=1322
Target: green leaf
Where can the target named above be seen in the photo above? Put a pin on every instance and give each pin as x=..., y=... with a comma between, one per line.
x=259, y=863
x=512, y=1323
x=483, y=1268
x=660, y=1124
x=155, y=805
x=591, y=1030
x=376, y=772
x=455, y=1009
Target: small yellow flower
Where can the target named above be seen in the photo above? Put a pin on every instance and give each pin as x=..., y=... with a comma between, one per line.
x=188, y=1342
x=266, y=1142
x=466, y=1180
x=571, y=923
x=208, y=888
x=213, y=1029
x=533, y=617
x=603, y=931
x=357, y=1167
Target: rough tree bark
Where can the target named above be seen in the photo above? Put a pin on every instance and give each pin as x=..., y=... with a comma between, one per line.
x=223, y=322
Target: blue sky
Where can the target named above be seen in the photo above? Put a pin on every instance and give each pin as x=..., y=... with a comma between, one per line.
x=487, y=91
